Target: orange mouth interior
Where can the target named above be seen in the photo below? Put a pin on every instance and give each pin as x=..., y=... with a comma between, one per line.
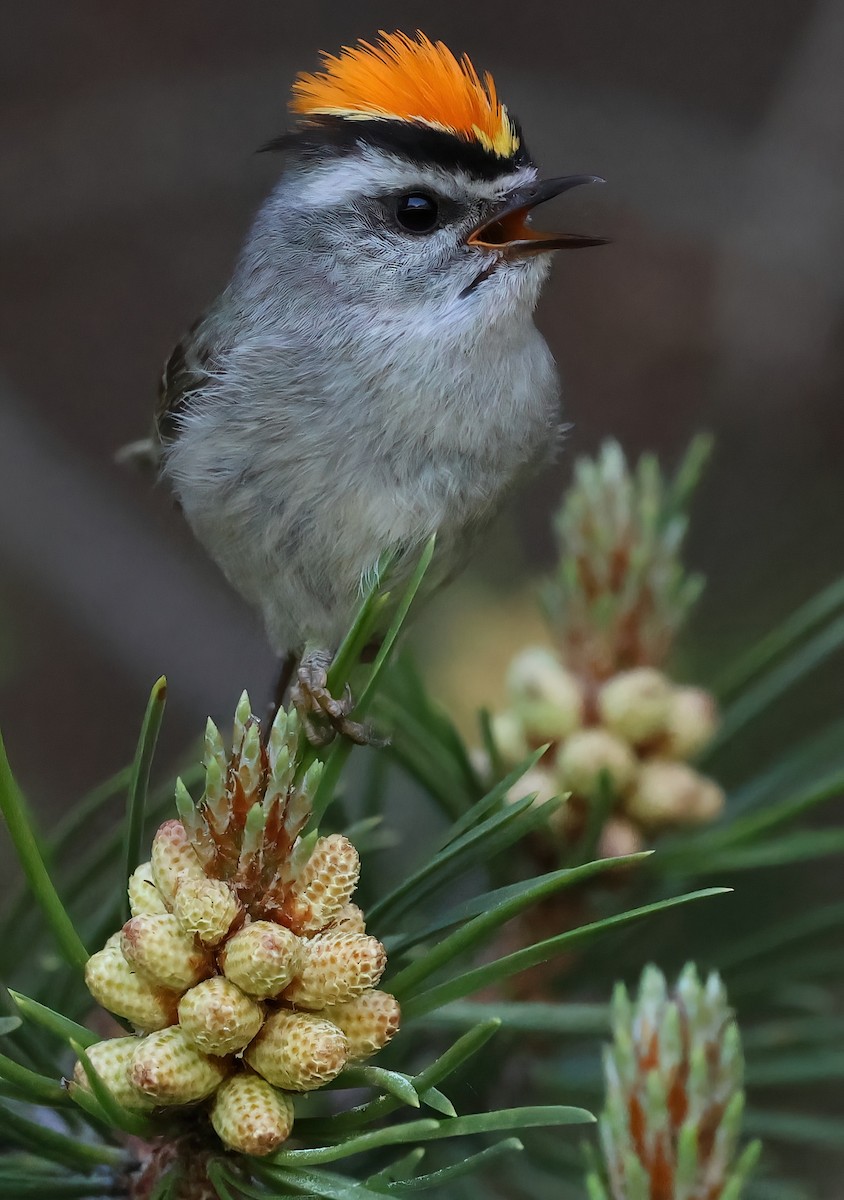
x=506, y=230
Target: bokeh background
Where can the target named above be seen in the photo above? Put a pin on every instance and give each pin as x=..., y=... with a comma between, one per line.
x=127, y=134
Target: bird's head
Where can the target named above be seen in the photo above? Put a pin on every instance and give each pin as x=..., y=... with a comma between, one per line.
x=409, y=186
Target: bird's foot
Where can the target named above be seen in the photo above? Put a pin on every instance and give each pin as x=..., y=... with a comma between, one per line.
x=323, y=716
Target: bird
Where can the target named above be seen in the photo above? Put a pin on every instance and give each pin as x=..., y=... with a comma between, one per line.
x=371, y=375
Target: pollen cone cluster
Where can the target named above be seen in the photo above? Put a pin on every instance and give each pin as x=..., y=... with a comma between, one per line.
x=674, y=1101
x=622, y=744
x=620, y=733
x=245, y=968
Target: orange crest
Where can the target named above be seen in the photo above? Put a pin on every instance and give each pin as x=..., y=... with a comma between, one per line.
x=402, y=79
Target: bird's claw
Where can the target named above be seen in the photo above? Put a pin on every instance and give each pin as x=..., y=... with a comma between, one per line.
x=323, y=715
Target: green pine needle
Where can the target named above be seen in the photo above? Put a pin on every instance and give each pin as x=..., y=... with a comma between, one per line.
x=492, y=915
x=467, y=1166
x=520, y=960
x=783, y=640
x=342, y=747
x=38, y=877
x=38, y=1089
x=391, y=1135
x=770, y=686
x=796, y=1128
x=69, y=1031
x=392, y=1082
x=401, y=1169
x=479, y=844
x=139, y=781
x=436, y=1073
x=525, y=1017
x=56, y=1147
x=325, y=1185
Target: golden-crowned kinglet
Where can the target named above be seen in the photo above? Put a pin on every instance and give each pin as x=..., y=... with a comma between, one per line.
x=371, y=374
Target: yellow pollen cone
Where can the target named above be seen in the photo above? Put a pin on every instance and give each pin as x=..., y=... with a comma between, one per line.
x=369, y=1022
x=144, y=896
x=205, y=907
x=337, y=967
x=113, y=983
x=250, y=1116
x=217, y=1018
x=158, y=947
x=111, y=1060
x=261, y=959
x=172, y=858
x=326, y=883
x=298, y=1051
x=168, y=1068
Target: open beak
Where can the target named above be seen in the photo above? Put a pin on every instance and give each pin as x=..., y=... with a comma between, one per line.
x=508, y=230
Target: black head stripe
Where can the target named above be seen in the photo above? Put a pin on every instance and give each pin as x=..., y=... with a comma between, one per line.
x=417, y=143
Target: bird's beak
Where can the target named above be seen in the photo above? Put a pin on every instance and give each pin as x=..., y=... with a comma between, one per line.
x=508, y=231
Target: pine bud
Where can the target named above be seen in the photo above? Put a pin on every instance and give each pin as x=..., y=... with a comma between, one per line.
x=242, y=718
x=113, y=983
x=214, y=750
x=509, y=737
x=349, y=919
x=592, y=756
x=671, y=793
x=159, y=948
x=325, y=884
x=369, y=1022
x=674, y=1098
x=298, y=1051
x=537, y=782
x=205, y=907
x=216, y=799
x=251, y=1117
x=618, y=838
x=635, y=704
x=111, y=1059
x=249, y=769
x=217, y=1018
x=168, y=1068
x=144, y=896
x=692, y=721
x=172, y=857
x=547, y=698
x=281, y=749
x=708, y=803
x=261, y=959
x=336, y=968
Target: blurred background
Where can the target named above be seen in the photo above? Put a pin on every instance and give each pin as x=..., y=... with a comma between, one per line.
x=127, y=135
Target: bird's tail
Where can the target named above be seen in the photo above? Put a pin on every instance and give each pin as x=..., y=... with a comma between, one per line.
x=144, y=455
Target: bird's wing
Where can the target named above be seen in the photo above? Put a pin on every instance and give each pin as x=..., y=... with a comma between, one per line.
x=186, y=370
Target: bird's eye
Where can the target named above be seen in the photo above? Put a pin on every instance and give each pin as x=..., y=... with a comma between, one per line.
x=417, y=213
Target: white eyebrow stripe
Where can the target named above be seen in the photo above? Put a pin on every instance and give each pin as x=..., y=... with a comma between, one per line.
x=371, y=171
